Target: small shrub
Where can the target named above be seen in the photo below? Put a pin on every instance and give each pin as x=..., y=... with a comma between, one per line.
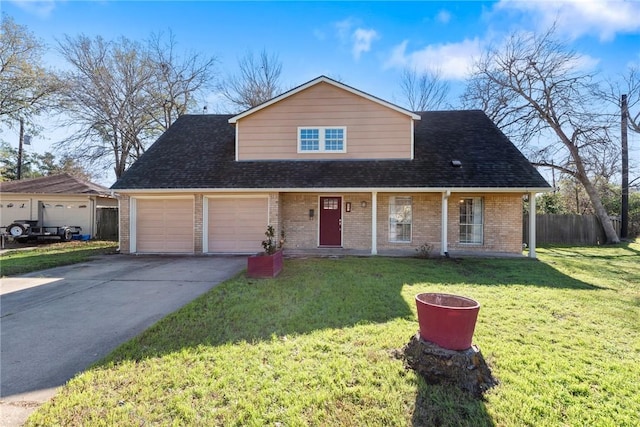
x=424, y=250
x=269, y=244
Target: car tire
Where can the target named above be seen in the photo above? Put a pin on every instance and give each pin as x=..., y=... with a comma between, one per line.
x=16, y=230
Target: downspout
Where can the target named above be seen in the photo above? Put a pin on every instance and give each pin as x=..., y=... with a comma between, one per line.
x=374, y=223
x=444, y=250
x=532, y=225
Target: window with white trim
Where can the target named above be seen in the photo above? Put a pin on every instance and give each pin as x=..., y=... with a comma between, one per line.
x=322, y=139
x=471, y=220
x=400, y=219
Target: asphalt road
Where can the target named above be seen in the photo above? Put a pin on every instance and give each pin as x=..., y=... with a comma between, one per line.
x=55, y=323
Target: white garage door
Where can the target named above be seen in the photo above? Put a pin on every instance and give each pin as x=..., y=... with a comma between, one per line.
x=57, y=214
x=164, y=226
x=237, y=224
x=11, y=210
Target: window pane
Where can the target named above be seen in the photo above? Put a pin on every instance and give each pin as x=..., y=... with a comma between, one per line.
x=400, y=219
x=309, y=140
x=471, y=220
x=330, y=204
x=333, y=139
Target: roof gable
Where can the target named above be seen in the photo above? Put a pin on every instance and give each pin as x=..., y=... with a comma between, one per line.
x=54, y=184
x=318, y=80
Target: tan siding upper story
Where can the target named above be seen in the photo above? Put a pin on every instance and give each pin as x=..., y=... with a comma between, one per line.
x=373, y=130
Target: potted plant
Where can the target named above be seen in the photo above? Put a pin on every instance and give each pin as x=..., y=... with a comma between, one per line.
x=268, y=263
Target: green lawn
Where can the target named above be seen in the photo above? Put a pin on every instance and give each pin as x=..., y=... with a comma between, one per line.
x=315, y=347
x=28, y=259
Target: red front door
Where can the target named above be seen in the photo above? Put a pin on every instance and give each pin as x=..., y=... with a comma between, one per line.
x=330, y=221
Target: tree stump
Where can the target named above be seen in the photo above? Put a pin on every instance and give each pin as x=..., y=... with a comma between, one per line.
x=465, y=369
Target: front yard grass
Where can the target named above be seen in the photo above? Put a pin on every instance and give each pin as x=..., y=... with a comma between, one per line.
x=315, y=346
x=28, y=259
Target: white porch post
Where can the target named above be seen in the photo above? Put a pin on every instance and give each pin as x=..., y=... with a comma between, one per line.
x=444, y=223
x=374, y=223
x=532, y=225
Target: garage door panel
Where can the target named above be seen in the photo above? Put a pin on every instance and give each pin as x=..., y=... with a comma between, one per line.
x=237, y=225
x=60, y=213
x=164, y=226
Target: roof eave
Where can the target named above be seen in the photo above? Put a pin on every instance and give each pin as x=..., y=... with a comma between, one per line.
x=342, y=190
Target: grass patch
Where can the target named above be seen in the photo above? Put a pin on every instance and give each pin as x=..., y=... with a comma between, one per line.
x=21, y=261
x=314, y=347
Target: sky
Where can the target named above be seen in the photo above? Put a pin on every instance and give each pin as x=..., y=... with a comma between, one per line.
x=363, y=44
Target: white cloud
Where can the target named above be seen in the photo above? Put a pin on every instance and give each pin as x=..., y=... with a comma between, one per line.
x=362, y=40
x=605, y=18
x=452, y=60
x=443, y=17
x=40, y=8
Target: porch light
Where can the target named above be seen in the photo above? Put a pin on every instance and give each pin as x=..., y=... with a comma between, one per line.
x=363, y=204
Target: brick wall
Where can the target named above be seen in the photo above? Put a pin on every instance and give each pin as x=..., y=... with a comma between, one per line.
x=198, y=223
x=356, y=224
x=124, y=212
x=426, y=210
x=502, y=230
x=274, y=213
x=301, y=231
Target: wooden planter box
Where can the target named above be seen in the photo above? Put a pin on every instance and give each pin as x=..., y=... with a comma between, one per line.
x=264, y=266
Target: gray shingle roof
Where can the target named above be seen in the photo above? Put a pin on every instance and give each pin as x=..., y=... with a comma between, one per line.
x=197, y=152
x=53, y=184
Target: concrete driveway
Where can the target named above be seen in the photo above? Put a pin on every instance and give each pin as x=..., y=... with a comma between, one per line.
x=55, y=323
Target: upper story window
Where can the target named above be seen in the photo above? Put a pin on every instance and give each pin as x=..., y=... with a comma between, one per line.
x=322, y=140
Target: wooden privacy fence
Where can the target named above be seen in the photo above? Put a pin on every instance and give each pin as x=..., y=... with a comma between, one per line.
x=568, y=229
x=107, y=223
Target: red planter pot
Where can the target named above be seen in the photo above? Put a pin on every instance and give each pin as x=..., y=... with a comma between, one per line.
x=447, y=320
x=263, y=265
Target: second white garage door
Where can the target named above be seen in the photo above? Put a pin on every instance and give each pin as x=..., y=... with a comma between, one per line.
x=237, y=225
x=164, y=226
x=57, y=214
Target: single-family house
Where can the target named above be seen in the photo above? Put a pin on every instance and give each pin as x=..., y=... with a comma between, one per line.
x=339, y=170
x=54, y=201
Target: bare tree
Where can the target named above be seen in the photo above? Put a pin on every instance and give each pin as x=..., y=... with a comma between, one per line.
x=122, y=94
x=423, y=91
x=257, y=81
x=26, y=88
x=632, y=90
x=535, y=90
x=106, y=98
x=178, y=78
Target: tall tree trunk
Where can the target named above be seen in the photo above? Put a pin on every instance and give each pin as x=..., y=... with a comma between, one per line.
x=601, y=212
x=596, y=201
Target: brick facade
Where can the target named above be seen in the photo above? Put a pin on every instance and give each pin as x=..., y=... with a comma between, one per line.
x=124, y=226
x=502, y=228
x=198, y=228
x=502, y=231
